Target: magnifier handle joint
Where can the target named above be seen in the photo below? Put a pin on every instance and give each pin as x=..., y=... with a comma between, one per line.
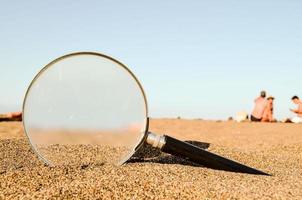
x=157, y=141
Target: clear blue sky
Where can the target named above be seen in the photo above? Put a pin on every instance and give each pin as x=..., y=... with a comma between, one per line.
x=195, y=59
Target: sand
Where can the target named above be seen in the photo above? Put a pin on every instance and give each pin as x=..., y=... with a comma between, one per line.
x=273, y=148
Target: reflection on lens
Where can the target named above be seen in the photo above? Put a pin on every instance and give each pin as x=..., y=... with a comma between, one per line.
x=85, y=108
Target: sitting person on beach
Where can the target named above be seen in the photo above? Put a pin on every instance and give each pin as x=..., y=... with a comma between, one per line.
x=298, y=111
x=12, y=116
x=260, y=105
x=268, y=112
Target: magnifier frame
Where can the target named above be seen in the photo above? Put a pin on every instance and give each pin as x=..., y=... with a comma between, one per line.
x=144, y=134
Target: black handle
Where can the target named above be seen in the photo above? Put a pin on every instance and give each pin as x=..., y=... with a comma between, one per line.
x=205, y=158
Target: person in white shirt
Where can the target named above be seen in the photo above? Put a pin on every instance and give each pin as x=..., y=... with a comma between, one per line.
x=298, y=111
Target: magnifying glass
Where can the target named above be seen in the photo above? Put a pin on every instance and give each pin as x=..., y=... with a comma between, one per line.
x=86, y=107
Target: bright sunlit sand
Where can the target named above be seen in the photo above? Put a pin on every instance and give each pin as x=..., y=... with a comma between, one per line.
x=275, y=148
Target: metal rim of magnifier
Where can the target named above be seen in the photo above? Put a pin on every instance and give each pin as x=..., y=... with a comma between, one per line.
x=144, y=133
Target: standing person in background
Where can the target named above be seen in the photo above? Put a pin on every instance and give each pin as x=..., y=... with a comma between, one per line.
x=298, y=111
x=260, y=105
x=268, y=112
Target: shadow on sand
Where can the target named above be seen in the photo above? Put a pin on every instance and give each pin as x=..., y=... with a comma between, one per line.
x=149, y=154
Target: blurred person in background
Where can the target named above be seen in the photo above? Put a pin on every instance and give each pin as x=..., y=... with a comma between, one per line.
x=268, y=111
x=298, y=111
x=12, y=116
x=260, y=106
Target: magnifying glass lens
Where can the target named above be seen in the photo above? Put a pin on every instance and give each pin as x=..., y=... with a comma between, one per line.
x=85, y=108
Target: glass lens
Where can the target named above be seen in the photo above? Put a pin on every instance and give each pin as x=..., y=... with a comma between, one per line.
x=85, y=108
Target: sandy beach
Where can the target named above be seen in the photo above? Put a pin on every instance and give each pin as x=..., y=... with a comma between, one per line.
x=275, y=148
